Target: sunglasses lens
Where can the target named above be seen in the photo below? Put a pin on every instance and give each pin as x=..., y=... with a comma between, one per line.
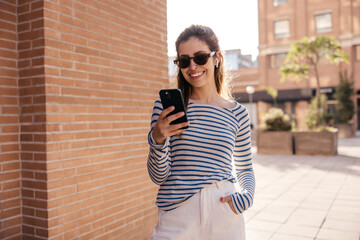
x=201, y=59
x=184, y=62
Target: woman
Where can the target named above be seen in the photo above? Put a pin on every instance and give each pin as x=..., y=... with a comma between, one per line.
x=205, y=171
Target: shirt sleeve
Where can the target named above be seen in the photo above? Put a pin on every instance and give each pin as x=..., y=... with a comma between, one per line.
x=243, y=165
x=158, y=162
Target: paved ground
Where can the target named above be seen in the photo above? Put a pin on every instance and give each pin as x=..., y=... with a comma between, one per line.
x=307, y=197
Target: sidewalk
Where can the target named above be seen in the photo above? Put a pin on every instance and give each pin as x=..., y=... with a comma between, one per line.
x=307, y=197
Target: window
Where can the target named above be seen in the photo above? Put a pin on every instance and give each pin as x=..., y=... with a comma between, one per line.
x=323, y=22
x=281, y=29
x=279, y=2
x=277, y=60
x=357, y=52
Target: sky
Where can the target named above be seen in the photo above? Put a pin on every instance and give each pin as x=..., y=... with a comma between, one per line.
x=235, y=22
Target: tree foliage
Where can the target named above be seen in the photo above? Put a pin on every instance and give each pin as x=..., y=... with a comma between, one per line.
x=317, y=118
x=272, y=92
x=305, y=54
x=304, y=57
x=344, y=92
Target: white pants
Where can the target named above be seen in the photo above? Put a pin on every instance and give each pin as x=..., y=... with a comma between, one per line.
x=202, y=217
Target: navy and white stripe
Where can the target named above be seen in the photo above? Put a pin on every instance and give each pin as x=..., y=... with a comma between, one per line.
x=215, y=147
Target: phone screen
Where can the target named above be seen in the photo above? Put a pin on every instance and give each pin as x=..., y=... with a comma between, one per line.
x=173, y=97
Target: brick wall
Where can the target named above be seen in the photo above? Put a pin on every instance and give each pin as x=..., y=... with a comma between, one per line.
x=10, y=192
x=89, y=72
x=32, y=117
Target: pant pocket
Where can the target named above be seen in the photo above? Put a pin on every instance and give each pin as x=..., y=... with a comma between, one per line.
x=228, y=189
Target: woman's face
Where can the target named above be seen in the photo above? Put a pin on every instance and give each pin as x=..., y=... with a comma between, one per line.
x=197, y=75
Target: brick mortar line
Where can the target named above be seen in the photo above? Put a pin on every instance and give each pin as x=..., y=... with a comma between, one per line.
x=101, y=26
x=123, y=84
x=105, y=67
x=123, y=233
x=82, y=157
x=109, y=199
x=74, y=123
x=9, y=59
x=90, y=224
x=121, y=226
x=91, y=73
x=11, y=189
x=119, y=13
x=87, y=97
x=100, y=202
x=92, y=89
x=118, y=167
x=75, y=185
x=93, y=48
x=6, y=30
x=93, y=155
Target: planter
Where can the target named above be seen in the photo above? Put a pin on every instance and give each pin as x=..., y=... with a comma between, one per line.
x=315, y=143
x=274, y=142
x=345, y=130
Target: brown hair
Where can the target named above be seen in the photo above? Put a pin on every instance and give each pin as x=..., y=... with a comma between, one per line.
x=206, y=35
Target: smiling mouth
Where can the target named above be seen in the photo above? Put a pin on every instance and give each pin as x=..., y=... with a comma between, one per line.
x=196, y=75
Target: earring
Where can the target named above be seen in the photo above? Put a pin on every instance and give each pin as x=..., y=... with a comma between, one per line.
x=217, y=63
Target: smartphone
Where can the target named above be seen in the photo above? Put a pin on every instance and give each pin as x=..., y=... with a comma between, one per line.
x=173, y=97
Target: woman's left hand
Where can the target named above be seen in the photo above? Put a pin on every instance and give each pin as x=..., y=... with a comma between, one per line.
x=229, y=201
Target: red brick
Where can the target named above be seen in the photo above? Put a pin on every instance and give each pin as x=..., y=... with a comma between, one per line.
x=10, y=129
x=74, y=78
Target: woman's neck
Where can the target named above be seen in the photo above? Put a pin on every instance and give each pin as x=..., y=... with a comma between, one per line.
x=206, y=96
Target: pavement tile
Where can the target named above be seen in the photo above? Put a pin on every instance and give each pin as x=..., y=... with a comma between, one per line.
x=301, y=220
x=250, y=214
x=282, y=203
x=327, y=234
x=305, y=217
x=347, y=209
x=307, y=197
x=316, y=205
x=257, y=235
x=279, y=209
x=281, y=236
x=346, y=202
x=347, y=216
x=341, y=225
x=262, y=225
x=298, y=230
x=271, y=217
x=308, y=212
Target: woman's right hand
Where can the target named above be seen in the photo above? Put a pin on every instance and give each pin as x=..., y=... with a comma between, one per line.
x=163, y=129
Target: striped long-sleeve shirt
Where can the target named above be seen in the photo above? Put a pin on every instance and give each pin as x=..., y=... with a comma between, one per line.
x=215, y=147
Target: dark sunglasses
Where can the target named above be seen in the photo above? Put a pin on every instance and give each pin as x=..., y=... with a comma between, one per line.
x=199, y=59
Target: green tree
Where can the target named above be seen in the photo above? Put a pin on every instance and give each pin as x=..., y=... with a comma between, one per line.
x=344, y=92
x=272, y=92
x=304, y=57
x=314, y=118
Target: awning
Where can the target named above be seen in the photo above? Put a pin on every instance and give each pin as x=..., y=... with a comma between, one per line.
x=284, y=95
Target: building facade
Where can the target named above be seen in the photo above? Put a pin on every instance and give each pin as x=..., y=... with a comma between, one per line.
x=76, y=97
x=282, y=22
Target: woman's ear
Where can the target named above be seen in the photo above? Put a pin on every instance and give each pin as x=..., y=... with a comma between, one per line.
x=218, y=59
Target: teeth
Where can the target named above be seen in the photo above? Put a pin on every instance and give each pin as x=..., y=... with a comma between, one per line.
x=195, y=75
